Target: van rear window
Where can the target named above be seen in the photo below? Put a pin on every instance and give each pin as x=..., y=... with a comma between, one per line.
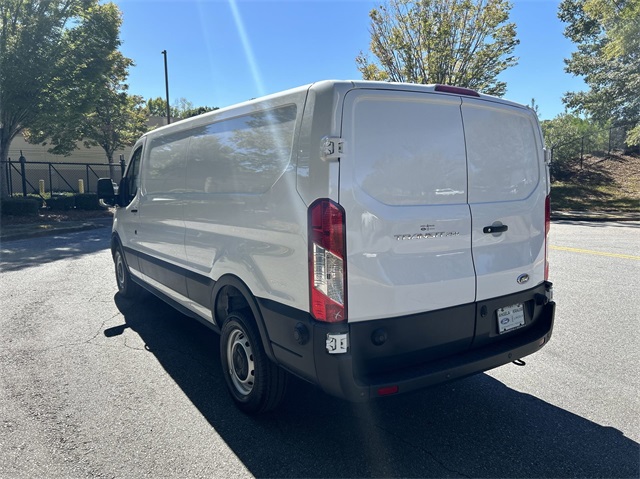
x=502, y=150
x=409, y=149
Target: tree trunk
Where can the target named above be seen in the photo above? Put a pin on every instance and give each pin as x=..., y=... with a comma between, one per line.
x=6, y=137
x=112, y=165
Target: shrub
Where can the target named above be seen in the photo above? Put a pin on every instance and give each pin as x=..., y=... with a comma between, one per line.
x=61, y=203
x=20, y=206
x=88, y=201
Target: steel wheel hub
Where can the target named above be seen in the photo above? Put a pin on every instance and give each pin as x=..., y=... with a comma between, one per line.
x=240, y=360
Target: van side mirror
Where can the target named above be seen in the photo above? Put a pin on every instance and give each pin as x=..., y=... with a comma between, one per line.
x=106, y=191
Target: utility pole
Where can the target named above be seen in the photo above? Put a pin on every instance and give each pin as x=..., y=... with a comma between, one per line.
x=166, y=83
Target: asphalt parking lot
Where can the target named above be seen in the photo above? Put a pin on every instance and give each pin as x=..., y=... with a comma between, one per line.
x=93, y=385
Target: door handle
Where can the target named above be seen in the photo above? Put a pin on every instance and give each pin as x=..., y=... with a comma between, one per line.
x=134, y=211
x=495, y=229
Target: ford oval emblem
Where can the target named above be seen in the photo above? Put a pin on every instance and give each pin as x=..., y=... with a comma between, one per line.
x=523, y=278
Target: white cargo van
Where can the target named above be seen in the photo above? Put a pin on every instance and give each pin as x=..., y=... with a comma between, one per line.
x=371, y=238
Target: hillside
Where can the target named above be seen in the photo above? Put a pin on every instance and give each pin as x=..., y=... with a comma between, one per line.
x=601, y=184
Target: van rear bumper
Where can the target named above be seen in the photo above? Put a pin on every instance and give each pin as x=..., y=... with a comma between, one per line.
x=336, y=374
x=299, y=344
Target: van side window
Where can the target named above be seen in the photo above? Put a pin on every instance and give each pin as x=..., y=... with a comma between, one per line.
x=133, y=174
x=165, y=170
x=246, y=154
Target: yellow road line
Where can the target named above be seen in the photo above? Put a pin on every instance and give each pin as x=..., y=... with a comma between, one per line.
x=599, y=253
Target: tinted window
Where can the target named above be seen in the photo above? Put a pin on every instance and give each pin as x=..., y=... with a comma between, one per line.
x=133, y=173
x=166, y=164
x=502, y=149
x=246, y=154
x=408, y=149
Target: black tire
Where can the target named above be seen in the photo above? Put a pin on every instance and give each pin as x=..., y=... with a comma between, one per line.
x=126, y=286
x=256, y=384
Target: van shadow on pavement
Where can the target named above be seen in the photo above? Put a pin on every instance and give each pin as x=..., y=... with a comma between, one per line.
x=476, y=427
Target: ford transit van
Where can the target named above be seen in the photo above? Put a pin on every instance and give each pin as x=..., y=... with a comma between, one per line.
x=371, y=238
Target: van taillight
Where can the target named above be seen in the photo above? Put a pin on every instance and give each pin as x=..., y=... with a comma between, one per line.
x=547, y=227
x=327, y=272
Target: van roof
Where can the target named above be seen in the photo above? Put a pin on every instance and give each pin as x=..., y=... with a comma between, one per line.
x=342, y=84
x=431, y=88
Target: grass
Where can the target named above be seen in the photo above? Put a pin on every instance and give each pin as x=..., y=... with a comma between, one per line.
x=599, y=184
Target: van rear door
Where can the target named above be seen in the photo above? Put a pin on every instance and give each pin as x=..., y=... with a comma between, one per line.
x=507, y=191
x=403, y=185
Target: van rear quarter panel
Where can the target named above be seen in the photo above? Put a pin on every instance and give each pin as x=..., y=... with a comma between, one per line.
x=254, y=238
x=247, y=219
x=322, y=118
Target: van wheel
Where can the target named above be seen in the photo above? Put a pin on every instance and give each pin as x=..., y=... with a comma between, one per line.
x=126, y=286
x=256, y=384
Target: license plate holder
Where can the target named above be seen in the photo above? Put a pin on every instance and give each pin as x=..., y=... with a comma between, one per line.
x=510, y=317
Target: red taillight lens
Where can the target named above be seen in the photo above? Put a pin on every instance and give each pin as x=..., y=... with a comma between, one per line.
x=547, y=227
x=388, y=390
x=327, y=268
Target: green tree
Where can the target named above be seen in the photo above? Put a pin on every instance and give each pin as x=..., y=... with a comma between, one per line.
x=566, y=129
x=456, y=42
x=198, y=110
x=116, y=119
x=181, y=108
x=534, y=106
x=607, y=35
x=568, y=136
x=54, y=56
x=157, y=107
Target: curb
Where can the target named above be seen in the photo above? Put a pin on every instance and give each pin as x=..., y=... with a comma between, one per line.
x=597, y=216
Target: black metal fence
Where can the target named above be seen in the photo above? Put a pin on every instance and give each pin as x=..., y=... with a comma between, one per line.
x=50, y=178
x=601, y=143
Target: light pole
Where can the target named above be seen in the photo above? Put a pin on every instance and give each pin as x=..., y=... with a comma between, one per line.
x=166, y=83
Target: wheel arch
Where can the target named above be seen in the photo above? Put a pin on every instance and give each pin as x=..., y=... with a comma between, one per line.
x=231, y=294
x=115, y=242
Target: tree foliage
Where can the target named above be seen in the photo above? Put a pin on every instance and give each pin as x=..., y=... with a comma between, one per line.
x=535, y=107
x=117, y=118
x=564, y=132
x=181, y=108
x=54, y=56
x=157, y=107
x=197, y=110
x=456, y=42
x=607, y=35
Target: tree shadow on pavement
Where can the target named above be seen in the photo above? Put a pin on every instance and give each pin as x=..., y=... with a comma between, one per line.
x=22, y=254
x=476, y=427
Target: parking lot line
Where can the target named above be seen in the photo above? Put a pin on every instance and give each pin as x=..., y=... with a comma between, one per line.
x=599, y=253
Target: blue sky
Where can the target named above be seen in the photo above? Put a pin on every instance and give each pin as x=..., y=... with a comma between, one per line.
x=222, y=52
